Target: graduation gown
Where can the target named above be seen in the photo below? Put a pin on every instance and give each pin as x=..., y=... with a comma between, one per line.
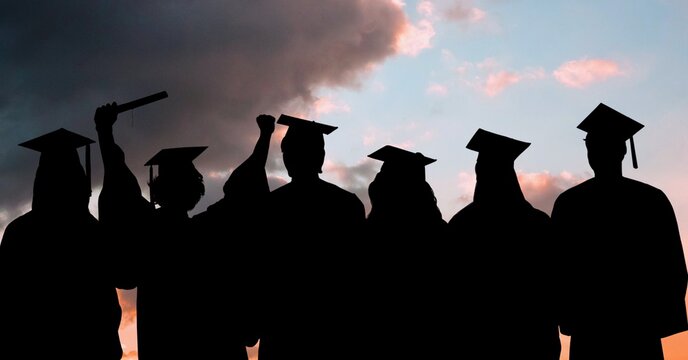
x=503, y=280
x=404, y=279
x=57, y=286
x=307, y=280
x=622, y=261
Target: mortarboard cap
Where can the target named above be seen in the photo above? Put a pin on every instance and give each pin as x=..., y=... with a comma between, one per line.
x=496, y=146
x=305, y=137
x=174, y=158
x=302, y=134
x=612, y=124
x=61, y=146
x=60, y=139
x=307, y=125
x=402, y=161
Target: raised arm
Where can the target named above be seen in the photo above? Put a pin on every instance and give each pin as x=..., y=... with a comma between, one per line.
x=123, y=211
x=121, y=193
x=249, y=179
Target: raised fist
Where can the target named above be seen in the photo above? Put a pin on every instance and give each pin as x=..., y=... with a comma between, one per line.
x=105, y=116
x=266, y=123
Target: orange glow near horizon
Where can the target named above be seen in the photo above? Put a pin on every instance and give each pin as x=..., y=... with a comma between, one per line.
x=675, y=347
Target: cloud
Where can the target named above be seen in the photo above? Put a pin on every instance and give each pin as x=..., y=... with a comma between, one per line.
x=465, y=184
x=425, y=8
x=582, y=73
x=354, y=178
x=221, y=62
x=489, y=77
x=275, y=181
x=327, y=105
x=540, y=188
x=437, y=89
x=416, y=38
x=498, y=81
x=9, y=214
x=463, y=10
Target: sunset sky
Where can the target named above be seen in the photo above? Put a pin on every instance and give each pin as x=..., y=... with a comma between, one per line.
x=423, y=75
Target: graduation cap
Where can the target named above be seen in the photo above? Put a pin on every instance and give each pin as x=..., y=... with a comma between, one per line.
x=59, y=149
x=304, y=132
x=496, y=146
x=611, y=124
x=402, y=161
x=307, y=125
x=173, y=159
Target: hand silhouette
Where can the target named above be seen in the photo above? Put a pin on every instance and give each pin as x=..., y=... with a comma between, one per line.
x=105, y=116
x=266, y=123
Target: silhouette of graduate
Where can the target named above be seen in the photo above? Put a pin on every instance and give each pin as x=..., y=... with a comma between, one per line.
x=504, y=262
x=227, y=280
x=623, y=268
x=403, y=277
x=306, y=271
x=58, y=270
x=164, y=250
x=401, y=199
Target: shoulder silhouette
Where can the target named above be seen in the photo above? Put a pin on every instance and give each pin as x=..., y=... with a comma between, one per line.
x=58, y=269
x=403, y=275
x=401, y=198
x=306, y=271
x=504, y=261
x=622, y=260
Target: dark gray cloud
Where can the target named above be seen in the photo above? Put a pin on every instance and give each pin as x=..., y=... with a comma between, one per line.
x=355, y=178
x=222, y=63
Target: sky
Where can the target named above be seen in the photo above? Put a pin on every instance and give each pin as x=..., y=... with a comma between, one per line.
x=423, y=75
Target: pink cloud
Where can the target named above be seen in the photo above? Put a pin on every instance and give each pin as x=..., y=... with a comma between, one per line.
x=581, y=73
x=466, y=185
x=497, y=82
x=437, y=89
x=327, y=105
x=542, y=188
x=488, y=64
x=425, y=8
x=416, y=38
x=463, y=10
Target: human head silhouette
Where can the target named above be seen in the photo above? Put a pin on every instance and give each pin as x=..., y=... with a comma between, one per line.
x=178, y=185
x=61, y=182
x=496, y=153
x=400, y=190
x=607, y=132
x=303, y=146
x=494, y=169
